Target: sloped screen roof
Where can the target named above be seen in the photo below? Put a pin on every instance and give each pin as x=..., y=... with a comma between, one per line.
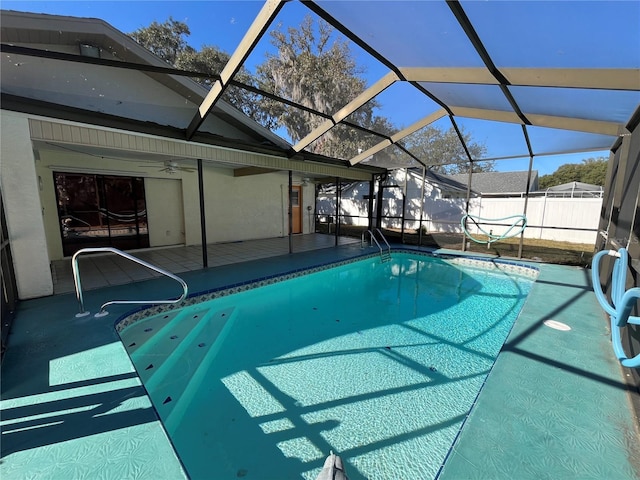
x=540, y=64
x=525, y=78
x=529, y=77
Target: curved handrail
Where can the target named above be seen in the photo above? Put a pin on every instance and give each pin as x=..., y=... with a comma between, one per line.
x=79, y=296
x=622, y=302
x=622, y=318
x=364, y=233
x=618, y=278
x=491, y=237
x=373, y=237
x=384, y=239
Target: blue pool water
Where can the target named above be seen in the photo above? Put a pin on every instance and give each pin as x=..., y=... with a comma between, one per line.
x=378, y=362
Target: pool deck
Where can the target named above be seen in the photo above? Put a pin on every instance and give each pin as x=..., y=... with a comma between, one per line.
x=554, y=406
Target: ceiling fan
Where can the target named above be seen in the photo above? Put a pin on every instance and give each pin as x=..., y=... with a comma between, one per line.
x=171, y=167
x=310, y=180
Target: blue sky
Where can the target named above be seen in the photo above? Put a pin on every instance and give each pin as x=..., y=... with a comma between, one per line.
x=223, y=24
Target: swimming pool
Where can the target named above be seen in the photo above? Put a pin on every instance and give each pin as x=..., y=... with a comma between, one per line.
x=377, y=362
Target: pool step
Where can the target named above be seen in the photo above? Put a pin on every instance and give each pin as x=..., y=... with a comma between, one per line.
x=172, y=412
x=145, y=335
x=155, y=340
x=168, y=383
x=170, y=351
x=135, y=336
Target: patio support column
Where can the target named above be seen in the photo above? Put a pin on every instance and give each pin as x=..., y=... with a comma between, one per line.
x=424, y=179
x=337, y=217
x=371, y=194
x=526, y=202
x=379, y=203
x=203, y=221
x=290, y=212
x=466, y=206
x=404, y=204
x=316, y=191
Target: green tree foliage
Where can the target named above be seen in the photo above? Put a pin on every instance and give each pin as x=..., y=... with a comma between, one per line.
x=444, y=150
x=166, y=40
x=311, y=69
x=591, y=170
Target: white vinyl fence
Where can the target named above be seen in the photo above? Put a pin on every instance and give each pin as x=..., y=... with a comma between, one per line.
x=551, y=218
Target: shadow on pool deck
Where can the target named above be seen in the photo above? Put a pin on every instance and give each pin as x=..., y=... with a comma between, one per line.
x=555, y=404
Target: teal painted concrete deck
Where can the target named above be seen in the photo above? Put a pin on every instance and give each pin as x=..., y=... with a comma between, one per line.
x=554, y=406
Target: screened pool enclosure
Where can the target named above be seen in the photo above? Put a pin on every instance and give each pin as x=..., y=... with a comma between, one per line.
x=107, y=143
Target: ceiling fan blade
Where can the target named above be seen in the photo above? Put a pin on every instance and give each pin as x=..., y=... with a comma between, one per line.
x=170, y=166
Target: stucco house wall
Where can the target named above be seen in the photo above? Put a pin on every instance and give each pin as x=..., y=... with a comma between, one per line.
x=249, y=207
x=19, y=185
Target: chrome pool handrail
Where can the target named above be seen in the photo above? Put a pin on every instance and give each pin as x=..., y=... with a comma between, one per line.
x=78, y=285
x=385, y=241
x=384, y=256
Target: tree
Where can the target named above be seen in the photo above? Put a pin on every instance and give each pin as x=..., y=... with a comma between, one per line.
x=166, y=40
x=591, y=170
x=211, y=60
x=594, y=170
x=444, y=150
x=311, y=70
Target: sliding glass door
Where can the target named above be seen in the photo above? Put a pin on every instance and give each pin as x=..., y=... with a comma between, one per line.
x=101, y=211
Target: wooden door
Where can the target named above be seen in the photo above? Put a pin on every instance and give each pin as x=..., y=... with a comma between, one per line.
x=296, y=210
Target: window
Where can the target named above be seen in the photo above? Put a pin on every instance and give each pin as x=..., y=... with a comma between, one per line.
x=295, y=198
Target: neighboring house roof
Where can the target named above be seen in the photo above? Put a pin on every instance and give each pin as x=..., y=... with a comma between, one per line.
x=575, y=187
x=499, y=182
x=445, y=182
